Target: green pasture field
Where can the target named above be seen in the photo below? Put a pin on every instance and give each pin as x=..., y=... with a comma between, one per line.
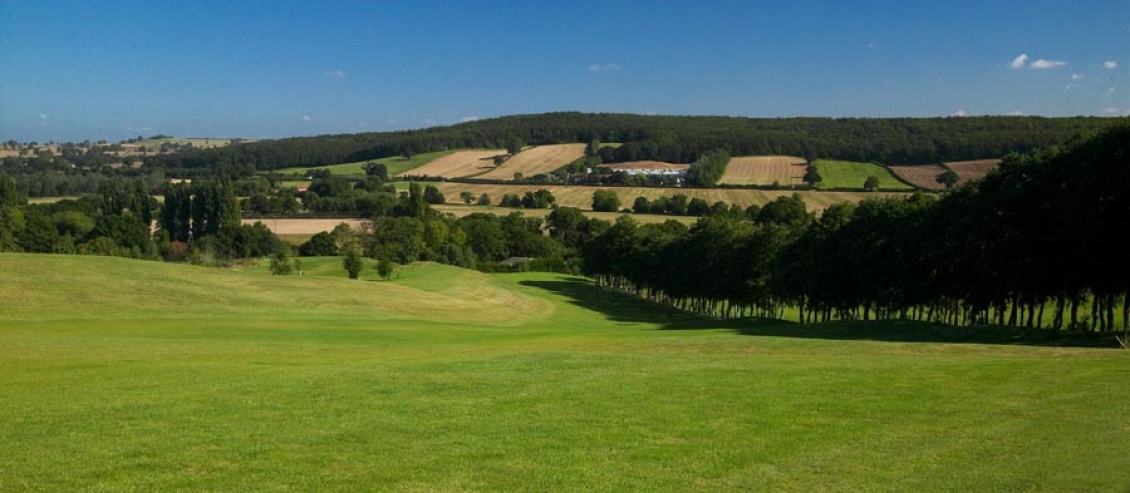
x=396, y=164
x=847, y=174
x=125, y=375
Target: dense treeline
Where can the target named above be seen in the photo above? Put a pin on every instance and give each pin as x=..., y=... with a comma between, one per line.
x=677, y=139
x=1033, y=244
x=198, y=222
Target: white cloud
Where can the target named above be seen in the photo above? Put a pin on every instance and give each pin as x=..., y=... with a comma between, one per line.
x=959, y=113
x=1110, y=65
x=1046, y=64
x=1078, y=77
x=334, y=74
x=306, y=118
x=1112, y=110
x=1071, y=87
x=468, y=119
x=1019, y=61
x=872, y=45
x=1014, y=113
x=604, y=67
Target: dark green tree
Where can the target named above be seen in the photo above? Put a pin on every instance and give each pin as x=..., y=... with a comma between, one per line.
x=353, y=264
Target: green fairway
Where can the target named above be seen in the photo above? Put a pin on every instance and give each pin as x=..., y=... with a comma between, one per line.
x=125, y=375
x=847, y=174
x=396, y=164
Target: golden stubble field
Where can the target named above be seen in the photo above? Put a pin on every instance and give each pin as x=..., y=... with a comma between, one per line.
x=581, y=196
x=458, y=164
x=536, y=160
x=764, y=170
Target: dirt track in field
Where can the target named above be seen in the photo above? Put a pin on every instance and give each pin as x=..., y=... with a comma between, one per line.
x=537, y=160
x=764, y=170
x=458, y=164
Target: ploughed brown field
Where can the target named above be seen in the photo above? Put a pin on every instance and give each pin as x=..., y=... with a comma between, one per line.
x=973, y=170
x=764, y=170
x=458, y=164
x=924, y=176
x=536, y=160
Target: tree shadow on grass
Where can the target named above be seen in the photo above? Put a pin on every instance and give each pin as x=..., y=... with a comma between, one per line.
x=625, y=308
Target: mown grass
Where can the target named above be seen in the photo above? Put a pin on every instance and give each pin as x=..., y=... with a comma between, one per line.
x=847, y=174
x=396, y=164
x=137, y=376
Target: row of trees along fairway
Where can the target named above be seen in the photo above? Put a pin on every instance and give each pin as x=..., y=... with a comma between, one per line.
x=1033, y=244
x=674, y=139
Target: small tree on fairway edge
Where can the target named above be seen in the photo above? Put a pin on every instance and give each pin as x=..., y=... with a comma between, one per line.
x=353, y=264
x=384, y=268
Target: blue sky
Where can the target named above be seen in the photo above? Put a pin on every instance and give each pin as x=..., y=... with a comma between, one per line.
x=112, y=70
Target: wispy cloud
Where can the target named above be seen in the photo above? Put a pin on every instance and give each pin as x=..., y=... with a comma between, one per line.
x=959, y=113
x=1110, y=65
x=334, y=74
x=1014, y=113
x=1046, y=64
x=1071, y=87
x=43, y=120
x=466, y=119
x=1022, y=62
x=306, y=118
x=1112, y=110
x=1078, y=77
x=604, y=67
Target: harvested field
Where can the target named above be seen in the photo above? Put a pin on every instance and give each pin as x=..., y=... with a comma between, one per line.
x=973, y=170
x=648, y=165
x=458, y=164
x=466, y=210
x=924, y=176
x=764, y=170
x=536, y=160
x=301, y=226
x=581, y=197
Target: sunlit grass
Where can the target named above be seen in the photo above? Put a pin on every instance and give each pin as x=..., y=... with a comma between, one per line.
x=846, y=174
x=142, y=376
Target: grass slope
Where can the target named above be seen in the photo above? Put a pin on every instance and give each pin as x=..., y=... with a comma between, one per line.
x=127, y=375
x=847, y=174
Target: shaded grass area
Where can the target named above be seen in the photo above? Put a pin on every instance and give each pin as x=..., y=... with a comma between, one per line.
x=623, y=307
x=318, y=388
